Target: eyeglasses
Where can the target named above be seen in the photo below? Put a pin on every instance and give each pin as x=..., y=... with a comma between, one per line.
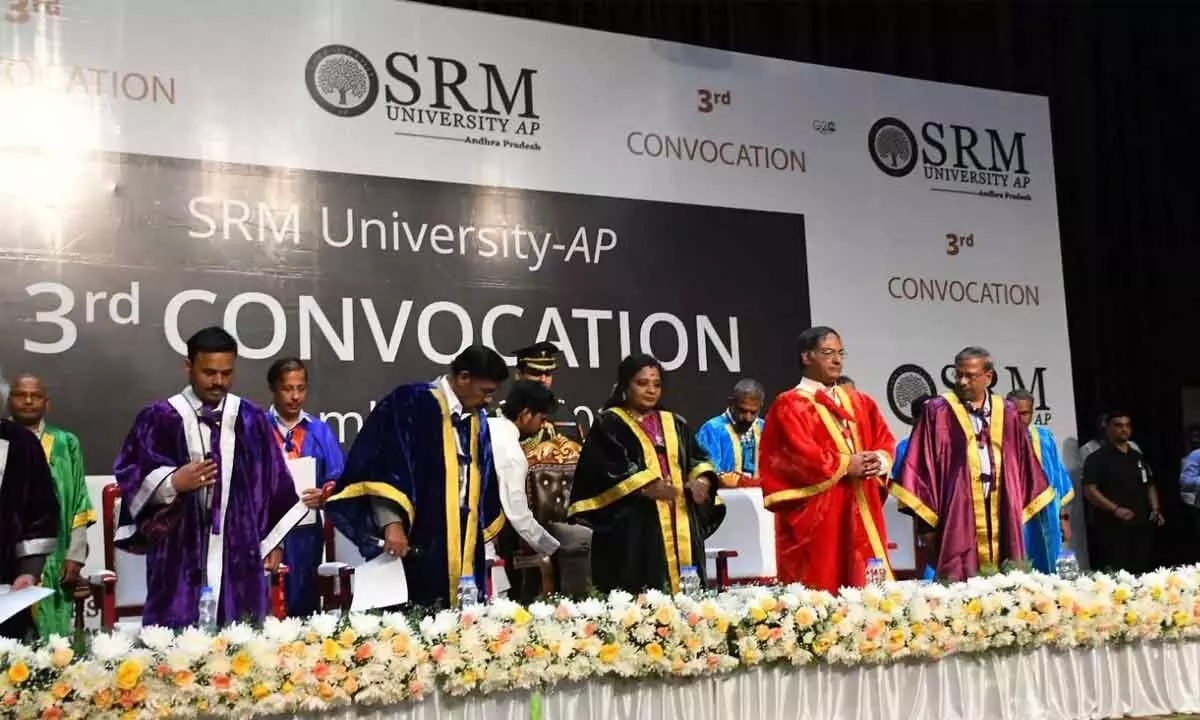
x=830, y=352
x=969, y=377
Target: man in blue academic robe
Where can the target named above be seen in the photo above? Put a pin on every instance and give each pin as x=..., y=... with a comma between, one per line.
x=205, y=493
x=1046, y=532
x=420, y=478
x=732, y=438
x=300, y=435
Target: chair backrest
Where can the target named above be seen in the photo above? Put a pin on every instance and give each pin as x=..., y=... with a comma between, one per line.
x=551, y=472
x=129, y=568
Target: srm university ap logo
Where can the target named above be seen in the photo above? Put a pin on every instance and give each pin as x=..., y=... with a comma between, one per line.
x=954, y=158
x=341, y=80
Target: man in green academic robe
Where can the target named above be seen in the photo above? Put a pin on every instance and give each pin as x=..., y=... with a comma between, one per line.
x=28, y=404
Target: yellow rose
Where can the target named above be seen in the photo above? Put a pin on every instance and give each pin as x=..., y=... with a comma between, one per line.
x=325, y=691
x=350, y=685
x=521, y=616
x=1131, y=618
x=805, y=617
x=663, y=616
x=103, y=699
x=757, y=614
x=654, y=651
x=917, y=629
x=129, y=715
x=1181, y=618
x=330, y=649
x=769, y=604
x=260, y=691
x=761, y=632
x=62, y=657
x=400, y=644
x=886, y=606
x=469, y=677
x=722, y=626
x=287, y=688
x=974, y=607
x=60, y=690
x=18, y=673
x=348, y=638
x=241, y=665
x=129, y=673
x=608, y=653
x=386, y=634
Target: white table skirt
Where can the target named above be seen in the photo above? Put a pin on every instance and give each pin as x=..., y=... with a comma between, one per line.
x=1134, y=680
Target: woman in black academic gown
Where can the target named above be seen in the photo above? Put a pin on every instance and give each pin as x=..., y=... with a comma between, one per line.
x=645, y=486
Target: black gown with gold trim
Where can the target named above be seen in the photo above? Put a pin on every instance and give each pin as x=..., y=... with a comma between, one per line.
x=640, y=543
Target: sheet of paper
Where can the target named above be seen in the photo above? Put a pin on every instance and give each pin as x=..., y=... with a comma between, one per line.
x=304, y=477
x=14, y=601
x=379, y=583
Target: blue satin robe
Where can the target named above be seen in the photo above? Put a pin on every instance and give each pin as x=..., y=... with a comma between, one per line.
x=716, y=438
x=304, y=547
x=405, y=459
x=1043, y=532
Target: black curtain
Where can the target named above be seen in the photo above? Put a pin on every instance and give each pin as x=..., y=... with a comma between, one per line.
x=1124, y=102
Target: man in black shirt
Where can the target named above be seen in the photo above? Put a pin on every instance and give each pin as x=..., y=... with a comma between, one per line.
x=1124, y=502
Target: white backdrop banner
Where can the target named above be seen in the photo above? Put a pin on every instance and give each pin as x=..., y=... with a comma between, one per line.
x=921, y=217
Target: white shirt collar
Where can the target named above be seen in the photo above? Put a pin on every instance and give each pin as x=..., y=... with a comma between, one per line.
x=809, y=385
x=452, y=401
x=304, y=418
x=194, y=400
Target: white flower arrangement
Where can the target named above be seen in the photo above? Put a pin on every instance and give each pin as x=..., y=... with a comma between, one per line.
x=311, y=665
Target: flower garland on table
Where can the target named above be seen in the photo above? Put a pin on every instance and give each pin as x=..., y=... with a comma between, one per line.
x=326, y=661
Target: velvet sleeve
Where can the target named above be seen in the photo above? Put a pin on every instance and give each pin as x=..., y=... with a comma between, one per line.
x=916, y=487
x=32, y=490
x=711, y=514
x=1036, y=492
x=279, y=508
x=794, y=465
x=607, y=472
x=378, y=471
x=715, y=441
x=148, y=458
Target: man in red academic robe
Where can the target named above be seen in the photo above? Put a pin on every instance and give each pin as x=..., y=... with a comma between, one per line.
x=825, y=457
x=970, y=475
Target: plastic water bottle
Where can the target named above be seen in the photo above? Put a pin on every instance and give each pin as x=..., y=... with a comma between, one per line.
x=1066, y=566
x=689, y=582
x=208, y=610
x=876, y=572
x=468, y=592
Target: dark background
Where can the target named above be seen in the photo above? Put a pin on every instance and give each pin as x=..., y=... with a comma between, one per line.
x=130, y=222
x=1124, y=102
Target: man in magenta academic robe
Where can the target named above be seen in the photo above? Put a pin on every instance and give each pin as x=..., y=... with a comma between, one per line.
x=206, y=493
x=970, y=475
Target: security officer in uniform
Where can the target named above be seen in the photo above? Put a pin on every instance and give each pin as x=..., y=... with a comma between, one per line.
x=539, y=362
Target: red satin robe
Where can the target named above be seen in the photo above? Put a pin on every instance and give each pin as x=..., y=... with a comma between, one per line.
x=827, y=525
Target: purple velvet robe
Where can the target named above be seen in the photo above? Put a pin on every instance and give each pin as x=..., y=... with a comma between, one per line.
x=253, y=505
x=940, y=485
x=28, y=503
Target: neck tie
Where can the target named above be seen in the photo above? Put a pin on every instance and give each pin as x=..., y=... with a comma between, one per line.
x=210, y=418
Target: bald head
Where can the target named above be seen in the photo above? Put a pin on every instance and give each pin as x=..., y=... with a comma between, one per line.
x=27, y=400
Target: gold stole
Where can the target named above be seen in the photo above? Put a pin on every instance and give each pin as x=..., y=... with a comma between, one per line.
x=987, y=545
x=677, y=539
x=460, y=560
x=834, y=427
x=737, y=446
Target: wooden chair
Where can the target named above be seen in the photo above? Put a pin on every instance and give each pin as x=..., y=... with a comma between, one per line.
x=721, y=557
x=115, y=601
x=334, y=579
x=548, y=488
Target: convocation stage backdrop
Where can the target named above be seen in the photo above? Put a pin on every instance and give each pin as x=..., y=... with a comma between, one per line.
x=371, y=185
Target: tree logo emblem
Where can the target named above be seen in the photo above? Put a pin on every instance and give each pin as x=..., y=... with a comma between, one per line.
x=907, y=383
x=341, y=80
x=893, y=147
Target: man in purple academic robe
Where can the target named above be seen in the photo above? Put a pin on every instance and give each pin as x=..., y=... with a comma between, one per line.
x=970, y=475
x=28, y=517
x=206, y=494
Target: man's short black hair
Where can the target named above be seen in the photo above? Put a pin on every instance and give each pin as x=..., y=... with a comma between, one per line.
x=1114, y=414
x=528, y=395
x=480, y=362
x=1021, y=395
x=809, y=340
x=282, y=367
x=211, y=340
